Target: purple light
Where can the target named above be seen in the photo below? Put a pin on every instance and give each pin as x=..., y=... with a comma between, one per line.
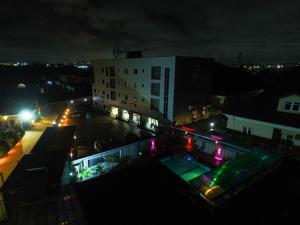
x=206, y=179
x=216, y=137
x=153, y=149
x=218, y=156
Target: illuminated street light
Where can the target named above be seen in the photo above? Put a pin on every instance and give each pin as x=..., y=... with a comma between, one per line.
x=59, y=124
x=212, y=124
x=72, y=101
x=26, y=115
x=54, y=122
x=85, y=99
x=5, y=117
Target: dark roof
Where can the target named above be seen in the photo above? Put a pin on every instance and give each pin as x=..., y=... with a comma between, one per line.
x=49, y=152
x=263, y=106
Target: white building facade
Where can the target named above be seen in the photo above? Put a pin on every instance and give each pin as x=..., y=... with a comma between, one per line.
x=288, y=108
x=143, y=90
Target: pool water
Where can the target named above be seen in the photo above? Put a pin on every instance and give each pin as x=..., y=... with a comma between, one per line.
x=185, y=166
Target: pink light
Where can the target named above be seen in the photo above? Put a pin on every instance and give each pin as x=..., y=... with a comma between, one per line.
x=152, y=144
x=153, y=149
x=218, y=156
x=219, y=151
x=216, y=137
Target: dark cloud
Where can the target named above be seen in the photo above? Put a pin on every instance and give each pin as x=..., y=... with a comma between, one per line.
x=67, y=30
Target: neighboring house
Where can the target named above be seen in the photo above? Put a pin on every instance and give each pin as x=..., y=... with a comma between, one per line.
x=153, y=91
x=274, y=121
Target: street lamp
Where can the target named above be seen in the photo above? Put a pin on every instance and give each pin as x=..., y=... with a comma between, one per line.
x=26, y=115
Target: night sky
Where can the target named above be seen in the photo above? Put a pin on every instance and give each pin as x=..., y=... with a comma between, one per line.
x=68, y=30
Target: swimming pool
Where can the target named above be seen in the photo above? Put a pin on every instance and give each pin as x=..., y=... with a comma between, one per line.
x=185, y=166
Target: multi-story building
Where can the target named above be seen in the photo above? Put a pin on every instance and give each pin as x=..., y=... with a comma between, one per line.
x=153, y=91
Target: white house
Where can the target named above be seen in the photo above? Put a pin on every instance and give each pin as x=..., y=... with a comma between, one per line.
x=153, y=91
x=275, y=120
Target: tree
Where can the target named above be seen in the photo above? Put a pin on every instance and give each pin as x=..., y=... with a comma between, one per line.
x=19, y=131
x=11, y=137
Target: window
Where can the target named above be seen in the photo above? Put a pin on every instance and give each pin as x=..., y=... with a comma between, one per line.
x=143, y=70
x=134, y=85
x=102, y=70
x=247, y=131
x=113, y=95
x=126, y=97
x=112, y=83
x=155, y=72
x=143, y=85
x=135, y=71
x=166, y=92
x=288, y=106
x=103, y=81
x=107, y=96
x=155, y=89
x=142, y=100
x=119, y=82
x=292, y=106
x=106, y=71
x=296, y=106
x=112, y=71
x=103, y=92
x=126, y=84
x=95, y=90
x=126, y=71
x=119, y=95
x=107, y=85
x=154, y=104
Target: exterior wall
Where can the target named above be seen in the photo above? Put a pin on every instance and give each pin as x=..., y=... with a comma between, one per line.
x=291, y=98
x=139, y=85
x=261, y=129
x=192, y=86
